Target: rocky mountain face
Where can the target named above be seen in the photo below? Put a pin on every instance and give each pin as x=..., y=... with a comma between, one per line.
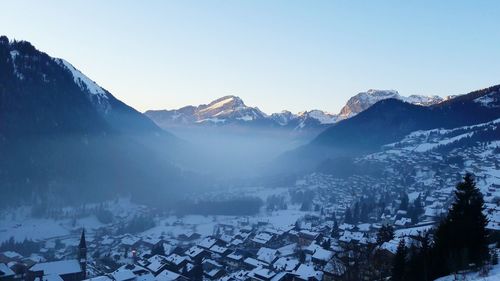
x=364, y=100
x=64, y=136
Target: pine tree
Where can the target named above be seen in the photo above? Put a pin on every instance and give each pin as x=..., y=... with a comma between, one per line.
x=404, y=201
x=348, y=216
x=461, y=238
x=198, y=270
x=385, y=234
x=399, y=262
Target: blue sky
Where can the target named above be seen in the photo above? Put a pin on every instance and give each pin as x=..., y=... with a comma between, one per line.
x=294, y=55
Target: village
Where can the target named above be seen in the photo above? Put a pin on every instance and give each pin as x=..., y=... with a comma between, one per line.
x=321, y=228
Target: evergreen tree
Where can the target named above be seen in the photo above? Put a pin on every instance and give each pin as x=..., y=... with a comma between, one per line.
x=385, y=234
x=461, y=238
x=335, y=227
x=348, y=216
x=404, y=201
x=326, y=244
x=399, y=262
x=158, y=250
x=197, y=270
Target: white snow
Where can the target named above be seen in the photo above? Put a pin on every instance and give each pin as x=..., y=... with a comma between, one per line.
x=321, y=116
x=58, y=267
x=486, y=100
x=218, y=104
x=83, y=81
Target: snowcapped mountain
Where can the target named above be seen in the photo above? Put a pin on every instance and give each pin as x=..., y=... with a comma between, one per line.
x=390, y=120
x=283, y=118
x=364, y=100
x=222, y=111
x=231, y=110
x=304, y=119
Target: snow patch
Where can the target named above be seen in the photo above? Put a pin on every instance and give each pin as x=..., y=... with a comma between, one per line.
x=83, y=81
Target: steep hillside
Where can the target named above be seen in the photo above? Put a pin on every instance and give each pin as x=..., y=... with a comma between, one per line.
x=63, y=137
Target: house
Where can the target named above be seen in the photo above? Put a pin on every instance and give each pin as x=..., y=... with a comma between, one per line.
x=196, y=253
x=156, y=264
x=188, y=236
x=220, y=250
x=262, y=239
x=286, y=264
x=306, y=237
x=176, y=262
x=67, y=270
x=267, y=255
x=321, y=256
x=6, y=274
x=123, y=274
x=252, y=263
x=168, y=275
x=234, y=260
x=306, y=272
x=262, y=274
x=334, y=270
x=207, y=242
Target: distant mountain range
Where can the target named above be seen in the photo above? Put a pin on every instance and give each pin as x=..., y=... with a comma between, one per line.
x=232, y=111
x=388, y=121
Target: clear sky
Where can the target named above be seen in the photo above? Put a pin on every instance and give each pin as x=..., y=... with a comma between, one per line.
x=294, y=55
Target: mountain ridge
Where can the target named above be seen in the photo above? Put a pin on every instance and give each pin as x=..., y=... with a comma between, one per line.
x=231, y=110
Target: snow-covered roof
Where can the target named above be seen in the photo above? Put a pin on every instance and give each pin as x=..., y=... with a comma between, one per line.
x=306, y=271
x=207, y=242
x=267, y=255
x=322, y=254
x=5, y=271
x=286, y=264
x=58, y=267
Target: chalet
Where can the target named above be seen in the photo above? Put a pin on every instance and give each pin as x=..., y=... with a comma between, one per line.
x=123, y=274
x=321, y=256
x=176, y=262
x=306, y=237
x=262, y=239
x=252, y=263
x=197, y=253
x=222, y=251
x=262, y=274
x=234, y=260
x=207, y=242
x=334, y=270
x=67, y=270
x=188, y=236
x=215, y=273
x=286, y=264
x=267, y=255
x=156, y=264
x=213, y=270
x=9, y=256
x=307, y=272
x=151, y=241
x=6, y=274
x=130, y=241
x=168, y=275
x=139, y=272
